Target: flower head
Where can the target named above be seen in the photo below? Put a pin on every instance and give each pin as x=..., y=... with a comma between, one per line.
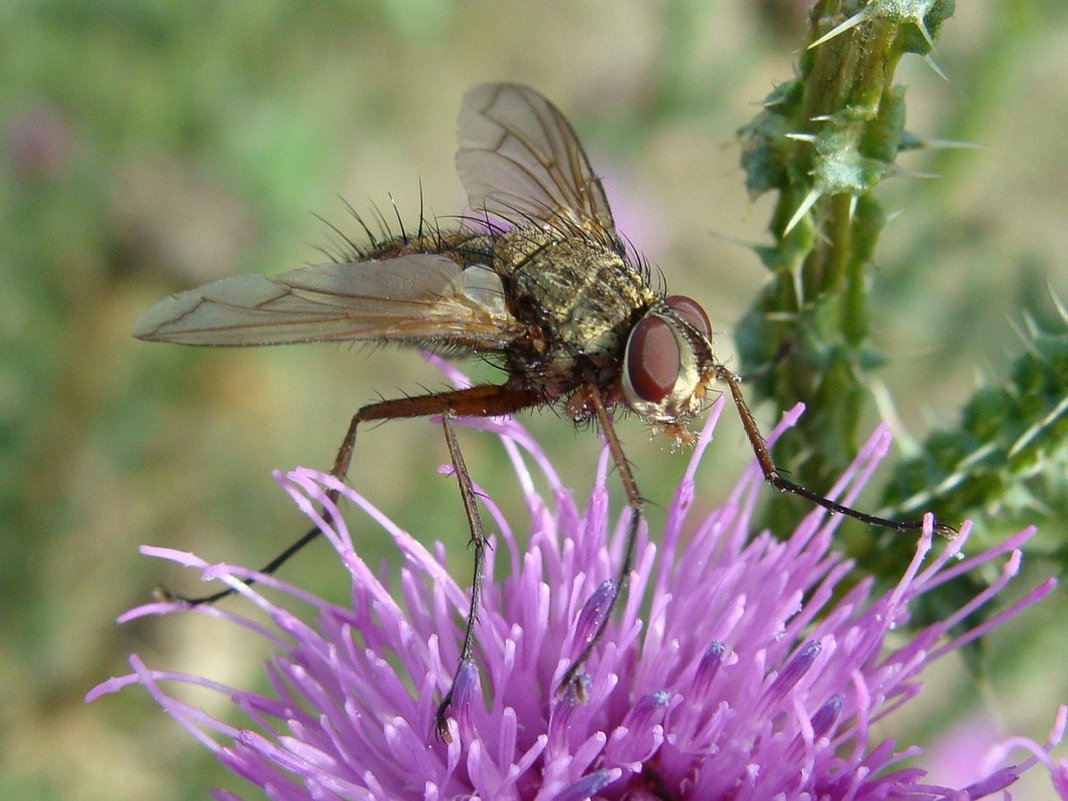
x=737, y=668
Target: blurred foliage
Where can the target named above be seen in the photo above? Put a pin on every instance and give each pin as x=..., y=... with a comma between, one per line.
x=150, y=146
x=1008, y=460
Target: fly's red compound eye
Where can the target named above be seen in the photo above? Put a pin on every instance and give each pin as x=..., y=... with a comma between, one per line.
x=652, y=360
x=690, y=311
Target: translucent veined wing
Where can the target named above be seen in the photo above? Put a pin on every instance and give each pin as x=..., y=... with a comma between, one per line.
x=520, y=158
x=420, y=298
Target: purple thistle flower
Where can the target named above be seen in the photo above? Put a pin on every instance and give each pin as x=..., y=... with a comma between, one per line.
x=734, y=669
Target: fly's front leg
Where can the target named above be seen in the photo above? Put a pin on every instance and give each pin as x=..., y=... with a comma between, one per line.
x=772, y=476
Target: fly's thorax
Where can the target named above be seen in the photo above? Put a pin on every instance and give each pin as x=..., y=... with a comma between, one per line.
x=582, y=295
x=668, y=362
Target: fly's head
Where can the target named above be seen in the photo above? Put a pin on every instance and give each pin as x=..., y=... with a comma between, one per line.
x=668, y=363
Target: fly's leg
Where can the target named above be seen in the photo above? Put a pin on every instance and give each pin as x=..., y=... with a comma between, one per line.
x=482, y=401
x=634, y=500
x=478, y=542
x=771, y=473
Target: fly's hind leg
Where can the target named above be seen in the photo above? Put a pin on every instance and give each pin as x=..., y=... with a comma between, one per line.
x=482, y=401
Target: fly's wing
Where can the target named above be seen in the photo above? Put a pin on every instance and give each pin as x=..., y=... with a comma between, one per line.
x=419, y=298
x=519, y=158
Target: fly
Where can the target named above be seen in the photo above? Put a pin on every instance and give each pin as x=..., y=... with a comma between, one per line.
x=543, y=286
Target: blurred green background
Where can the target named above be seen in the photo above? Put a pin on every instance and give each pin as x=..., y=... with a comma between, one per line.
x=152, y=146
